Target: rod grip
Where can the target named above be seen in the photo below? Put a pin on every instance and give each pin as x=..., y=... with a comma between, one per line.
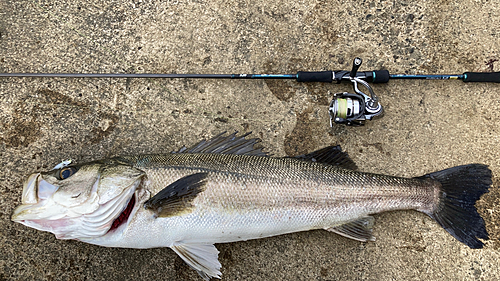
x=381, y=76
x=320, y=76
x=482, y=77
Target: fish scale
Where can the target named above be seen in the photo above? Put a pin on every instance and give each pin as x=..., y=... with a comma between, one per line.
x=266, y=189
x=255, y=177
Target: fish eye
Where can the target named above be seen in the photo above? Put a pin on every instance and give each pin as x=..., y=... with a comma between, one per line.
x=66, y=172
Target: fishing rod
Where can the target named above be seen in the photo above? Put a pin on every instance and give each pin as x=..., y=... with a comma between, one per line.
x=375, y=76
x=351, y=109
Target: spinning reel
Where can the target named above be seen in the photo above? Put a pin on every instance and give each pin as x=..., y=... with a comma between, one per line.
x=353, y=109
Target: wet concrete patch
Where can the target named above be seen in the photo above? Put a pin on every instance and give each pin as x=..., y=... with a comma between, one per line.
x=280, y=89
x=107, y=123
x=301, y=140
x=21, y=133
x=487, y=209
x=51, y=97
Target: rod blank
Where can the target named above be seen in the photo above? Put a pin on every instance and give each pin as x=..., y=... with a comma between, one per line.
x=115, y=75
x=152, y=75
x=377, y=76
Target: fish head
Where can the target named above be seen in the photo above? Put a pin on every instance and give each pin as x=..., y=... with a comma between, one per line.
x=79, y=201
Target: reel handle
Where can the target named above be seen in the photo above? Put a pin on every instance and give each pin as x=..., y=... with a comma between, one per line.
x=355, y=66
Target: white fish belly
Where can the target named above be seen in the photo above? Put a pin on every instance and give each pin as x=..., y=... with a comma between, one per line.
x=217, y=227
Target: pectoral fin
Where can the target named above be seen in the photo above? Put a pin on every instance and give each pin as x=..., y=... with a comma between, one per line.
x=201, y=257
x=177, y=197
x=360, y=229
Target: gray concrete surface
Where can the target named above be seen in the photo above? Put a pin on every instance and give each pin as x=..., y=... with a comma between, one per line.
x=428, y=125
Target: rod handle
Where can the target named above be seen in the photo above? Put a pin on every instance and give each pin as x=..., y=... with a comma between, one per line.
x=380, y=76
x=482, y=77
x=320, y=76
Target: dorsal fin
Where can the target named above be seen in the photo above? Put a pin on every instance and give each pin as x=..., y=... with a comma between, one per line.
x=332, y=155
x=231, y=144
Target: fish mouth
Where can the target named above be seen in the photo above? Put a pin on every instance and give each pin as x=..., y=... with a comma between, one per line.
x=34, y=201
x=29, y=195
x=88, y=221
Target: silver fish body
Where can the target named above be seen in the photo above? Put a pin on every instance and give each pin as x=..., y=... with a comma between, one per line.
x=248, y=197
x=190, y=200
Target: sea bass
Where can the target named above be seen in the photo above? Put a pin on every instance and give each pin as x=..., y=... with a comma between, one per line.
x=226, y=190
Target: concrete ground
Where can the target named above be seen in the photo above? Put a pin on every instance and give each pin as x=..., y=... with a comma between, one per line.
x=428, y=125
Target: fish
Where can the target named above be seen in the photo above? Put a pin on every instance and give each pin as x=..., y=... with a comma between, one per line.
x=229, y=189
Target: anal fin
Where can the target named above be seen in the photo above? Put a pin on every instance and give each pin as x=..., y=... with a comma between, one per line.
x=201, y=257
x=360, y=229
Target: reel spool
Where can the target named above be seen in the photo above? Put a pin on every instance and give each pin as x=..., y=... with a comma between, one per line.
x=353, y=109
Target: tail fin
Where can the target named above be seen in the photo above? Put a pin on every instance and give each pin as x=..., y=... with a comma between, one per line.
x=461, y=187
